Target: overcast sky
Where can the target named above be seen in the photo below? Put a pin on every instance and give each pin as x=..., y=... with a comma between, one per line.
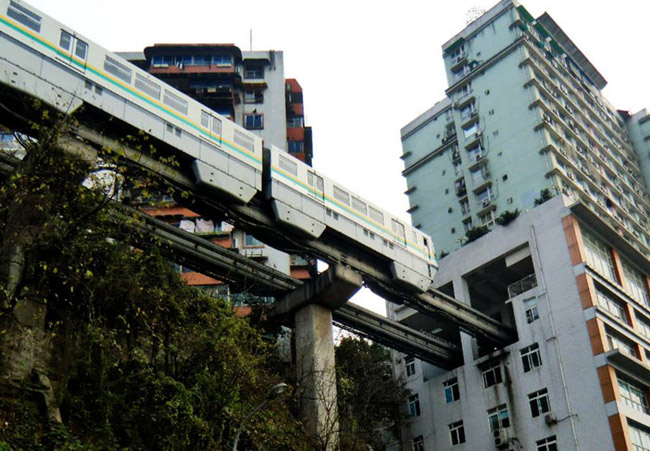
x=367, y=68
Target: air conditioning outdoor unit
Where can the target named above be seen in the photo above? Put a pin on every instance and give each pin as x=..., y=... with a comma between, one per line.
x=486, y=203
x=550, y=419
x=500, y=438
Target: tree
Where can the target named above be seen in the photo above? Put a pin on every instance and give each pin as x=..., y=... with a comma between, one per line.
x=102, y=344
x=369, y=397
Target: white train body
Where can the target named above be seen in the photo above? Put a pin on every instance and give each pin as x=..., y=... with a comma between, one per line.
x=305, y=200
x=51, y=62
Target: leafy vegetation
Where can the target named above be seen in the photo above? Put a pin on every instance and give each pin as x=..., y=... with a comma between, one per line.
x=507, y=217
x=544, y=195
x=475, y=233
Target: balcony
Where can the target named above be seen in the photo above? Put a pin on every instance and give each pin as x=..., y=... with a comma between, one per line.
x=521, y=286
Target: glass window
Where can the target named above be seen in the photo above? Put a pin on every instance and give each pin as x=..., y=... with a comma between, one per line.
x=409, y=363
x=530, y=357
x=81, y=49
x=256, y=73
x=148, y=86
x=599, y=256
x=643, y=324
x=611, y=303
x=118, y=69
x=492, y=375
x=205, y=117
x=359, y=205
x=289, y=165
x=24, y=16
x=451, y=390
x=250, y=240
x=222, y=60
x=341, y=195
x=530, y=310
x=547, y=444
x=633, y=394
x=457, y=433
x=640, y=437
x=254, y=121
x=295, y=146
x=65, y=40
x=418, y=443
x=624, y=345
x=175, y=101
x=315, y=180
x=484, y=196
x=498, y=418
x=470, y=130
x=539, y=402
x=240, y=138
x=414, y=405
x=376, y=215
x=636, y=284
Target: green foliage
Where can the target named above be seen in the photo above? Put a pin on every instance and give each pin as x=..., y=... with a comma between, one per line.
x=507, y=217
x=138, y=359
x=369, y=398
x=544, y=195
x=475, y=233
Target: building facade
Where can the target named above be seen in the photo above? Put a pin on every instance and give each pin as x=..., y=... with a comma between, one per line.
x=524, y=113
x=578, y=377
x=525, y=146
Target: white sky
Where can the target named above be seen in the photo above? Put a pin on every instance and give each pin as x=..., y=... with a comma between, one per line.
x=366, y=68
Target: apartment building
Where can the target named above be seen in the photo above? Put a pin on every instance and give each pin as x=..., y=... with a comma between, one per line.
x=523, y=113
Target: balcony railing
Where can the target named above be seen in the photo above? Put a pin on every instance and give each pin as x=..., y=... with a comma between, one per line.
x=522, y=285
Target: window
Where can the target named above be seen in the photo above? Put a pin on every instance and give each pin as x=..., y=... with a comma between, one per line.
x=617, y=341
x=242, y=139
x=254, y=97
x=414, y=405
x=492, y=375
x=465, y=90
x=484, y=197
x=530, y=357
x=296, y=146
x=498, y=418
x=251, y=241
x=488, y=219
x=295, y=122
x=409, y=363
x=222, y=60
x=468, y=110
x=376, y=215
x=475, y=153
x=418, y=443
x=530, y=310
x=633, y=394
x=636, y=284
x=254, y=121
x=599, y=256
x=643, y=325
x=118, y=69
x=547, y=444
x=479, y=176
x=470, y=130
x=464, y=206
x=315, y=181
x=457, y=433
x=451, y=390
x=81, y=49
x=65, y=41
x=205, y=117
x=256, y=73
x=175, y=101
x=539, y=402
x=640, y=437
x=341, y=195
x=612, y=304
x=289, y=165
x=24, y=16
x=151, y=88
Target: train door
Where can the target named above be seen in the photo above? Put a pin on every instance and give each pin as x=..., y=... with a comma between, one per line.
x=212, y=124
x=317, y=185
x=399, y=230
x=75, y=50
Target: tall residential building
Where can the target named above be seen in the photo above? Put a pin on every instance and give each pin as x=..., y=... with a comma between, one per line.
x=578, y=376
x=525, y=127
x=523, y=113
x=248, y=88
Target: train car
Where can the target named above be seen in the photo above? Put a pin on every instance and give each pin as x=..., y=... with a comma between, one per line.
x=64, y=69
x=308, y=202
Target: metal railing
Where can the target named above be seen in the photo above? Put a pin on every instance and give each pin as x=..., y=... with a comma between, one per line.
x=522, y=285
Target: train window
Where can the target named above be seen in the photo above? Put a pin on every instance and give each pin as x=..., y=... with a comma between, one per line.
x=147, y=86
x=99, y=90
x=118, y=69
x=65, y=40
x=205, y=119
x=359, y=205
x=170, y=127
x=315, y=180
x=288, y=165
x=398, y=229
x=24, y=16
x=81, y=49
x=376, y=215
x=175, y=101
x=341, y=195
x=216, y=128
x=244, y=140
x=88, y=84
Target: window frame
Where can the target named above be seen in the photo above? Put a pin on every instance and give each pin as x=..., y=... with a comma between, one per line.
x=451, y=390
x=494, y=369
x=457, y=433
x=254, y=125
x=539, y=402
x=531, y=357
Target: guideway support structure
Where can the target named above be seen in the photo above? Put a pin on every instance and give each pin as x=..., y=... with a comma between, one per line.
x=312, y=305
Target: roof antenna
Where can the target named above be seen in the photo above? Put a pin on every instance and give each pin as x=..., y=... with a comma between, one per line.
x=251, y=39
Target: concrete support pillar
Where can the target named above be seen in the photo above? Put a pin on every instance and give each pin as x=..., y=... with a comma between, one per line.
x=317, y=374
x=312, y=305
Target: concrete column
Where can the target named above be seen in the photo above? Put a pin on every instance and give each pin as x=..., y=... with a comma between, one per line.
x=312, y=305
x=317, y=374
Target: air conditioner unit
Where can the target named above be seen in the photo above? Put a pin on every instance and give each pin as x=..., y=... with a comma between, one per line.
x=550, y=419
x=500, y=438
x=486, y=203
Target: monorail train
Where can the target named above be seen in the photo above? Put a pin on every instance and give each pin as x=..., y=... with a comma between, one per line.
x=51, y=62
